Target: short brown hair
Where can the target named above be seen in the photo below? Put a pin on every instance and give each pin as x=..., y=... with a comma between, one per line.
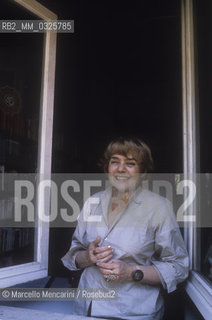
x=125, y=146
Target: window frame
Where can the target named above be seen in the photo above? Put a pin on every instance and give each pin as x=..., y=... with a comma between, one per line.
x=197, y=286
x=38, y=268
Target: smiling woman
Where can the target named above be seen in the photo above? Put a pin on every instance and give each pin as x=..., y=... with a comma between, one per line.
x=136, y=248
x=124, y=172
x=126, y=163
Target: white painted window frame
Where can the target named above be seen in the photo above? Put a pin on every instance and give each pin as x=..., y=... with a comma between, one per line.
x=10, y=276
x=197, y=287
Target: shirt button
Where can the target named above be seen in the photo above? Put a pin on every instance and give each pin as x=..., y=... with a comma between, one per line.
x=106, y=238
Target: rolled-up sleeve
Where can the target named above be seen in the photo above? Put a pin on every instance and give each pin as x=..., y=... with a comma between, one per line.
x=171, y=258
x=78, y=244
x=80, y=240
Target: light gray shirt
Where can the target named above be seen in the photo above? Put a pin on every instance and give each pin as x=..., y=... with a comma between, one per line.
x=144, y=233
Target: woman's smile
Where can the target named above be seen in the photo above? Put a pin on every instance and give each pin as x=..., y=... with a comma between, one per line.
x=124, y=172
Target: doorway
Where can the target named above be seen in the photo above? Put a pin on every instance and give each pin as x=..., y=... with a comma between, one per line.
x=118, y=74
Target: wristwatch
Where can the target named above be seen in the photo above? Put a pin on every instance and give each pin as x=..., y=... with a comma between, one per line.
x=137, y=275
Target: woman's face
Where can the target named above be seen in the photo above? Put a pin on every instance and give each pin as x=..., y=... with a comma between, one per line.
x=124, y=172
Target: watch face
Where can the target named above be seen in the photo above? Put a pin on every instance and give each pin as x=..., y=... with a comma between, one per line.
x=137, y=275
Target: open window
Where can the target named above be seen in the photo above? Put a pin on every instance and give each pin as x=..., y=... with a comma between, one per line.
x=26, y=110
x=196, y=116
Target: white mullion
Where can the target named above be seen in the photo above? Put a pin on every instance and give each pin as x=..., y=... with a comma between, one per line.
x=45, y=148
x=38, y=9
x=189, y=127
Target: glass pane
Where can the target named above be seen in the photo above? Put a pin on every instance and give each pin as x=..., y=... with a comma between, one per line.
x=20, y=85
x=204, y=53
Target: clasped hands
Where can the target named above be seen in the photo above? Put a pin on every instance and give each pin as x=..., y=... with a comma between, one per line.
x=111, y=269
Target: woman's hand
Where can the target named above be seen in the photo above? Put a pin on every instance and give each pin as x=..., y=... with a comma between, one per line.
x=116, y=270
x=99, y=254
x=93, y=254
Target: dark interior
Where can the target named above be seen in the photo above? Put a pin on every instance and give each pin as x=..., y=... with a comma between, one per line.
x=118, y=74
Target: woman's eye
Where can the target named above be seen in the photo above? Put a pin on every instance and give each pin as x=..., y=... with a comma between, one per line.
x=131, y=164
x=114, y=162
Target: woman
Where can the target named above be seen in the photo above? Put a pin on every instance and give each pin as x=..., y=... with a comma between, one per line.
x=136, y=246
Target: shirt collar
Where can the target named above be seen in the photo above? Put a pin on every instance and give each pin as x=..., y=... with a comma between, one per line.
x=136, y=197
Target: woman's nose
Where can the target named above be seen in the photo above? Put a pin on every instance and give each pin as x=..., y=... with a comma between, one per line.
x=121, y=167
